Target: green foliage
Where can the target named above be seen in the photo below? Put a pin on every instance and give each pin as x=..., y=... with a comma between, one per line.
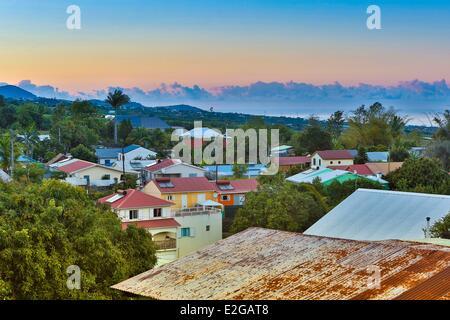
x=125, y=128
x=398, y=154
x=441, y=229
x=283, y=206
x=420, y=175
x=294, y=170
x=361, y=157
x=82, y=109
x=5, y=151
x=46, y=228
x=312, y=139
x=239, y=170
x=335, y=124
x=33, y=173
x=84, y=153
x=336, y=192
x=373, y=126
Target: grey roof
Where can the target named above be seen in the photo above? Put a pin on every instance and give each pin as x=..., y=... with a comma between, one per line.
x=144, y=122
x=381, y=215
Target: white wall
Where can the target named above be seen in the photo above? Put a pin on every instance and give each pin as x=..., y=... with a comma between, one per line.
x=320, y=163
x=184, y=171
x=137, y=153
x=201, y=238
x=143, y=213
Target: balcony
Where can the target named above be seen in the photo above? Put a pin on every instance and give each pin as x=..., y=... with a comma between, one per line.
x=166, y=244
x=195, y=211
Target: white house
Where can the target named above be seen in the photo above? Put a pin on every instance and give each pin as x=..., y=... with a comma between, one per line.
x=326, y=158
x=172, y=168
x=85, y=173
x=109, y=156
x=175, y=232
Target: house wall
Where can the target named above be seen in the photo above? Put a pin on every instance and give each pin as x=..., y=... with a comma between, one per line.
x=165, y=256
x=97, y=173
x=232, y=199
x=104, y=160
x=317, y=162
x=192, y=197
x=143, y=213
x=184, y=171
x=200, y=238
x=137, y=153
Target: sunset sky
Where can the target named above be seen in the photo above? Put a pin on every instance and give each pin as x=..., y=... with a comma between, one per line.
x=215, y=43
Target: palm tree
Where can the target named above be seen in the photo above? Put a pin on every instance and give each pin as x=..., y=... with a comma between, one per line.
x=117, y=99
x=5, y=152
x=30, y=139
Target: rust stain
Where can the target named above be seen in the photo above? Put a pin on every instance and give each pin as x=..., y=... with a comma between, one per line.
x=268, y=264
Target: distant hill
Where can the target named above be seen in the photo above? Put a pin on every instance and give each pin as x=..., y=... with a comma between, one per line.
x=13, y=92
x=181, y=107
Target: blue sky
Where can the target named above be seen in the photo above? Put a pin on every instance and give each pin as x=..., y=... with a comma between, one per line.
x=220, y=43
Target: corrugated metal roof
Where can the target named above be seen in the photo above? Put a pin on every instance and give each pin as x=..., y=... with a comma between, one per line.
x=270, y=264
x=381, y=215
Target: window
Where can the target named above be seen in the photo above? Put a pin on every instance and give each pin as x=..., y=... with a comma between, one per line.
x=331, y=162
x=170, y=197
x=157, y=212
x=208, y=228
x=225, y=197
x=192, y=175
x=185, y=232
x=339, y=162
x=107, y=162
x=314, y=161
x=134, y=214
x=320, y=162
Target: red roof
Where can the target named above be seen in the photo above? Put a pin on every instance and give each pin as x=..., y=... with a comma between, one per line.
x=161, y=165
x=292, y=161
x=192, y=184
x=153, y=224
x=76, y=166
x=239, y=186
x=361, y=169
x=135, y=199
x=334, y=154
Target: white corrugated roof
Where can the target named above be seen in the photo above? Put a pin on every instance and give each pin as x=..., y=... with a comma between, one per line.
x=382, y=215
x=323, y=174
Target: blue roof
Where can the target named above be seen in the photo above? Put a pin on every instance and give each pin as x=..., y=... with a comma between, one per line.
x=382, y=156
x=131, y=147
x=107, y=153
x=144, y=122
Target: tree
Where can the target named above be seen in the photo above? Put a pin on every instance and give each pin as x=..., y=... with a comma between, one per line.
x=5, y=151
x=33, y=173
x=46, y=228
x=336, y=192
x=125, y=129
x=313, y=138
x=239, y=170
x=441, y=229
x=283, y=206
x=8, y=116
x=420, y=175
x=361, y=157
x=84, y=153
x=440, y=150
x=82, y=109
x=30, y=138
x=398, y=154
x=116, y=100
x=335, y=124
x=373, y=126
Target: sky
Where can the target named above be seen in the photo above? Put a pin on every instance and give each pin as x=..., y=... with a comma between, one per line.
x=222, y=43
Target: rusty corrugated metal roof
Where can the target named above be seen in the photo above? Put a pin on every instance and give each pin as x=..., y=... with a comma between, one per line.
x=269, y=264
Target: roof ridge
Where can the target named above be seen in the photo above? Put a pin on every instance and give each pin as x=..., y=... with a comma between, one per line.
x=404, y=193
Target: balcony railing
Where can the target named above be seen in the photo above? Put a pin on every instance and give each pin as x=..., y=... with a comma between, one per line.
x=166, y=244
x=195, y=211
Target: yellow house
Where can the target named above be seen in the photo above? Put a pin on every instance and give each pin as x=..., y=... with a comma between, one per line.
x=183, y=192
